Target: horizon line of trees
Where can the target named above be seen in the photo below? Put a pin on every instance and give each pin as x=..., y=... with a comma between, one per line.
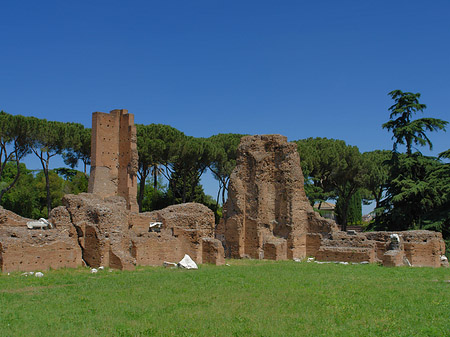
x=410, y=190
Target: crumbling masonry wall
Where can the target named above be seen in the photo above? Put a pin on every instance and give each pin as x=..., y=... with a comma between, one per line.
x=419, y=248
x=103, y=227
x=22, y=249
x=114, y=157
x=267, y=214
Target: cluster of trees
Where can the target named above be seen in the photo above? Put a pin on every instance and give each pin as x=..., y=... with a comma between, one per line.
x=21, y=136
x=181, y=160
x=410, y=190
x=164, y=152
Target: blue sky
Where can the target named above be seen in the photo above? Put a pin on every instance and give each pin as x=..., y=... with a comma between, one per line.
x=297, y=68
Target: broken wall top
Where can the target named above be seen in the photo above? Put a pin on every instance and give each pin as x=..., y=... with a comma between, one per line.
x=267, y=183
x=114, y=157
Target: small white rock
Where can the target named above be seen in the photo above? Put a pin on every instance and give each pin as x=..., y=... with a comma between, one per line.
x=93, y=271
x=39, y=274
x=101, y=268
x=28, y=273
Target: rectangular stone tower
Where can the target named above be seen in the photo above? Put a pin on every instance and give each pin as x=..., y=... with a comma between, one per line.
x=114, y=158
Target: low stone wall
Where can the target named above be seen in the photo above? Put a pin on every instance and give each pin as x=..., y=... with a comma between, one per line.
x=22, y=249
x=105, y=233
x=417, y=248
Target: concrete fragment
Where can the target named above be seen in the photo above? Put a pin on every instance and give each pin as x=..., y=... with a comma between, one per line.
x=187, y=263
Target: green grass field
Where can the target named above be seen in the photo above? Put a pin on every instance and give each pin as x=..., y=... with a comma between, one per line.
x=248, y=298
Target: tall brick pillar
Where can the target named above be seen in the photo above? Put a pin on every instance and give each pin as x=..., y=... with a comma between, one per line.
x=114, y=158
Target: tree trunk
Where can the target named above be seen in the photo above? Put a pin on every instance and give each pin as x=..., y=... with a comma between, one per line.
x=183, y=192
x=225, y=189
x=144, y=175
x=47, y=188
x=155, y=177
x=2, y=192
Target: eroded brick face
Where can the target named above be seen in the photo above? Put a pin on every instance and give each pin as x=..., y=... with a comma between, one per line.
x=267, y=214
x=114, y=156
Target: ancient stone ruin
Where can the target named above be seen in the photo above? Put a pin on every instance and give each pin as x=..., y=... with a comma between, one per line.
x=103, y=227
x=114, y=157
x=267, y=215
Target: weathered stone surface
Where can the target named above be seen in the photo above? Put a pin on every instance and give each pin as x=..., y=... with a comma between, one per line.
x=212, y=251
x=421, y=248
x=114, y=157
x=184, y=229
x=267, y=215
x=22, y=249
x=102, y=228
x=112, y=236
x=267, y=203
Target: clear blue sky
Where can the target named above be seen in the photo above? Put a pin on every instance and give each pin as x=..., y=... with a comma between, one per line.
x=297, y=68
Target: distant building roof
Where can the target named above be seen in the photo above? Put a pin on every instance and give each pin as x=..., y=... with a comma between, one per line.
x=325, y=206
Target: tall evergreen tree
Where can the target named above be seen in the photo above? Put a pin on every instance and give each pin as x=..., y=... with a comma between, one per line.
x=418, y=186
x=406, y=130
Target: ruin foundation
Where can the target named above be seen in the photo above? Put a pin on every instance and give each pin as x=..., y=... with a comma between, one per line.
x=268, y=216
x=103, y=227
x=103, y=232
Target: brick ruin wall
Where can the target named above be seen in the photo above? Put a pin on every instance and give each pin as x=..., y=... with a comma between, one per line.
x=22, y=249
x=419, y=248
x=114, y=157
x=102, y=232
x=267, y=215
x=103, y=227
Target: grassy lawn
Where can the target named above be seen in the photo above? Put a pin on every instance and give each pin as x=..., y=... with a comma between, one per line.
x=248, y=298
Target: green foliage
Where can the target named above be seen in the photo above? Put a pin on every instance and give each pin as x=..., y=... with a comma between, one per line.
x=224, y=161
x=418, y=194
x=29, y=197
x=248, y=298
x=23, y=199
x=78, y=147
x=193, y=157
x=15, y=142
x=332, y=169
x=376, y=164
x=405, y=130
x=418, y=187
x=157, y=146
x=354, y=213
